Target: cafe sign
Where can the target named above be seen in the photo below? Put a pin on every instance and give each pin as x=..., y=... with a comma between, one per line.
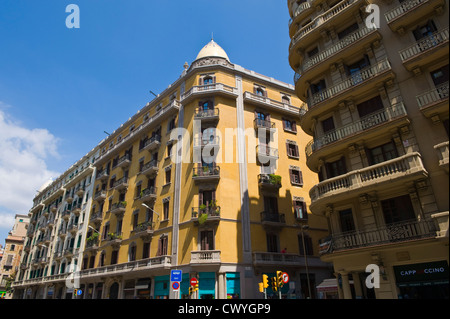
x=422, y=272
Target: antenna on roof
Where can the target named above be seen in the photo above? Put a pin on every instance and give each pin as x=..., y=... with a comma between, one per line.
x=212, y=36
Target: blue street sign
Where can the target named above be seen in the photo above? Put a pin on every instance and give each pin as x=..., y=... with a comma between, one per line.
x=175, y=275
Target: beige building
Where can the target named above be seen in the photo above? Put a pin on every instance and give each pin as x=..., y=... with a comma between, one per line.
x=9, y=263
x=378, y=113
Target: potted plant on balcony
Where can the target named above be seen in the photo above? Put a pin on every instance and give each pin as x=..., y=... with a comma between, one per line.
x=202, y=218
x=274, y=179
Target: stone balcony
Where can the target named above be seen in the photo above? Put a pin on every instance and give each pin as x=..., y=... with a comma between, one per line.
x=394, y=172
x=207, y=257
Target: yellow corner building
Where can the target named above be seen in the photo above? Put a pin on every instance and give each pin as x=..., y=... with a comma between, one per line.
x=208, y=178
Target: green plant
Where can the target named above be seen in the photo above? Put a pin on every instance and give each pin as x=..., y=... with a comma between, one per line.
x=275, y=179
x=124, y=203
x=202, y=218
x=202, y=207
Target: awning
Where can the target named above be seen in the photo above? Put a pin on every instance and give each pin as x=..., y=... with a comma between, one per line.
x=327, y=285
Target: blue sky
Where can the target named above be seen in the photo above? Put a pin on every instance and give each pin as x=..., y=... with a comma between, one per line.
x=61, y=88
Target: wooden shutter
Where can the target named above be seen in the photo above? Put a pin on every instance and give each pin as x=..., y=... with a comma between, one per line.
x=294, y=126
x=291, y=176
x=296, y=151
x=213, y=79
x=200, y=81
x=300, y=176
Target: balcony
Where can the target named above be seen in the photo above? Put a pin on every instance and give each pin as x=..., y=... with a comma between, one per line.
x=76, y=209
x=211, y=141
x=91, y=244
x=150, y=169
x=103, y=175
x=431, y=48
x=412, y=12
x=113, y=239
x=392, y=173
x=206, y=116
x=206, y=174
x=144, y=230
x=118, y=208
x=65, y=214
x=320, y=63
x=264, y=125
x=141, y=266
x=265, y=153
x=205, y=257
x=121, y=184
x=309, y=33
x=391, y=234
x=208, y=89
x=298, y=15
x=148, y=194
x=443, y=155
x=72, y=228
x=278, y=106
x=68, y=252
x=123, y=162
x=100, y=196
x=355, y=85
x=367, y=126
x=434, y=102
x=205, y=215
x=152, y=143
x=96, y=217
x=269, y=181
x=261, y=259
x=272, y=220
x=79, y=190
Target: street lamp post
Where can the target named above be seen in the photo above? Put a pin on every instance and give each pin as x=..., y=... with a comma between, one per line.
x=306, y=259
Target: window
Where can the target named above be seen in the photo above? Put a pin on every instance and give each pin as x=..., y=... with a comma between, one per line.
x=336, y=168
x=328, y=125
x=171, y=125
x=162, y=246
x=132, y=252
x=168, y=175
x=166, y=210
x=397, y=209
x=114, y=256
x=370, y=106
x=292, y=149
x=207, y=80
x=289, y=125
x=425, y=30
x=285, y=99
x=440, y=76
x=317, y=87
x=296, y=176
x=272, y=243
x=207, y=240
x=146, y=250
x=260, y=92
x=382, y=153
x=312, y=52
x=305, y=245
x=347, y=31
x=300, y=210
x=346, y=220
x=270, y=205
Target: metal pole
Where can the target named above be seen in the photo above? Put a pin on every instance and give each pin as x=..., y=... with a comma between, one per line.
x=306, y=260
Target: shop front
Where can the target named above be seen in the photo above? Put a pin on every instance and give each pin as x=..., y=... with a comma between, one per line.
x=423, y=281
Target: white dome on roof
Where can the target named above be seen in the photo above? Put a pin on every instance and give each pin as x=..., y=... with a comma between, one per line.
x=45, y=185
x=212, y=49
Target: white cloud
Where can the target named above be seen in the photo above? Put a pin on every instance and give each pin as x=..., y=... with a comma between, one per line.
x=23, y=167
x=6, y=221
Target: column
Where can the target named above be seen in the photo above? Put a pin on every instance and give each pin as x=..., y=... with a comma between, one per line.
x=346, y=285
x=357, y=284
x=221, y=286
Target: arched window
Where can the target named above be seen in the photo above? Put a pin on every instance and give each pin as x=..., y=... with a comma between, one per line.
x=259, y=91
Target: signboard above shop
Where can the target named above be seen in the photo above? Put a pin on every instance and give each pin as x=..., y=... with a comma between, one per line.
x=423, y=272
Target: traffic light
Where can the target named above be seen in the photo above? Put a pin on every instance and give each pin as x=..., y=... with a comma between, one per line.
x=273, y=281
x=280, y=282
x=265, y=281
x=261, y=287
x=193, y=289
